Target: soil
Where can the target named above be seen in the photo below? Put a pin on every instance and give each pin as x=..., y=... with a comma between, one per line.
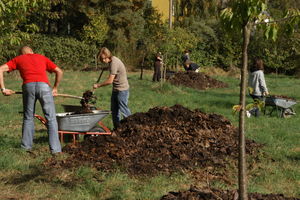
x=163, y=140
x=195, y=80
x=283, y=97
x=88, y=98
x=214, y=194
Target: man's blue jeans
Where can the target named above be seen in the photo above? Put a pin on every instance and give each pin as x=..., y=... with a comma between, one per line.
x=119, y=106
x=31, y=93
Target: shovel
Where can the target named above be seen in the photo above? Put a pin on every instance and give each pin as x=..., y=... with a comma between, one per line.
x=60, y=95
x=93, y=90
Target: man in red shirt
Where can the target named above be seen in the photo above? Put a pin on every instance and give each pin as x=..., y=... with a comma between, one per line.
x=33, y=70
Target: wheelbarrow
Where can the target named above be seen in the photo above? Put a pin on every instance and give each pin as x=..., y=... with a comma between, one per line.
x=87, y=124
x=282, y=106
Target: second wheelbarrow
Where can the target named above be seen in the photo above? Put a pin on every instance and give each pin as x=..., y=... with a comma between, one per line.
x=282, y=105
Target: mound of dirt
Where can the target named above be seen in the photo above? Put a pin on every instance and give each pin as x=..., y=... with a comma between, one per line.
x=195, y=80
x=162, y=140
x=215, y=194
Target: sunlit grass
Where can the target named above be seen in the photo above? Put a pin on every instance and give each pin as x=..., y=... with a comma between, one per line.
x=24, y=177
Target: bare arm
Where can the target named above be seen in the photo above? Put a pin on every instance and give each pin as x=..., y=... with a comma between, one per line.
x=108, y=81
x=58, y=76
x=6, y=92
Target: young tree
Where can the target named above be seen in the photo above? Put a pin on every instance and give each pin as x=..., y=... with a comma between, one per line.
x=243, y=16
x=13, y=18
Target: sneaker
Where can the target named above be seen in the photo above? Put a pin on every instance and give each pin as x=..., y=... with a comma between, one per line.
x=248, y=114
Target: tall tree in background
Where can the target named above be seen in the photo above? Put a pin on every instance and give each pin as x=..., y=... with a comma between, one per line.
x=202, y=8
x=242, y=16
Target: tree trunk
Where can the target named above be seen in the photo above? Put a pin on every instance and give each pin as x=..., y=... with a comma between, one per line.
x=242, y=154
x=170, y=13
x=142, y=68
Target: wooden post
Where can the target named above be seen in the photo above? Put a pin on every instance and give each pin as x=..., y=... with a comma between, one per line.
x=170, y=13
x=142, y=67
x=96, y=61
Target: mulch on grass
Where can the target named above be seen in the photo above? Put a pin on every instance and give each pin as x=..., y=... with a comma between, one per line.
x=195, y=80
x=215, y=194
x=163, y=140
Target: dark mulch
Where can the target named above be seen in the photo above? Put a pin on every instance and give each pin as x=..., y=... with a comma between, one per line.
x=163, y=140
x=195, y=80
x=214, y=194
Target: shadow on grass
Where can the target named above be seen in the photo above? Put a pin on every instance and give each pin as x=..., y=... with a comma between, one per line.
x=24, y=178
x=41, y=136
x=221, y=104
x=295, y=157
x=40, y=174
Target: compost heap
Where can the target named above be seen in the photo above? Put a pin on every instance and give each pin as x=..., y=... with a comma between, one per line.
x=162, y=140
x=195, y=80
x=215, y=194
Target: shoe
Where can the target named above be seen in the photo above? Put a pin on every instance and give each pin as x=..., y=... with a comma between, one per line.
x=31, y=153
x=248, y=114
x=57, y=155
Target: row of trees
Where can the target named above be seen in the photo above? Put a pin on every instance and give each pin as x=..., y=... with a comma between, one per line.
x=134, y=31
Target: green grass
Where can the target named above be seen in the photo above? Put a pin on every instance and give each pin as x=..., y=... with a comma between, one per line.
x=24, y=177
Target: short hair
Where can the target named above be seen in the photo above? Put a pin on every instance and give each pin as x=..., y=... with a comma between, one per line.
x=23, y=49
x=258, y=64
x=104, y=51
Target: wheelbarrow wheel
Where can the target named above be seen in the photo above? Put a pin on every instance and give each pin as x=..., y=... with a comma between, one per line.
x=95, y=129
x=287, y=112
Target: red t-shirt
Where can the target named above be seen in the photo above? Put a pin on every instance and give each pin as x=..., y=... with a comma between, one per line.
x=32, y=67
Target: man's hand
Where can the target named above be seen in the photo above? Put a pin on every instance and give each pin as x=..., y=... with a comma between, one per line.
x=54, y=91
x=265, y=93
x=8, y=92
x=95, y=86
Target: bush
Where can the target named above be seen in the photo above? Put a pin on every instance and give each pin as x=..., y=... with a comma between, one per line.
x=66, y=52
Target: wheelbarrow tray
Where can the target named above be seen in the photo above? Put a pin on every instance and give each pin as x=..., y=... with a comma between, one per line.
x=280, y=102
x=69, y=121
x=75, y=108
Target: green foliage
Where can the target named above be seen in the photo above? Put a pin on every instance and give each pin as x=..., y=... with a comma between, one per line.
x=96, y=31
x=126, y=27
x=68, y=53
x=176, y=41
x=13, y=18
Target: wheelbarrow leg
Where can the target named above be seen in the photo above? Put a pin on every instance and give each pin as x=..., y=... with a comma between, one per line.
x=74, y=138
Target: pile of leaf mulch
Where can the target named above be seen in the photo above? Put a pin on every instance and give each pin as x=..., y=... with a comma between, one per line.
x=195, y=80
x=214, y=194
x=162, y=140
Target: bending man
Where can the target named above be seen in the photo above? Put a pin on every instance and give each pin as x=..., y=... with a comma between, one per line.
x=33, y=70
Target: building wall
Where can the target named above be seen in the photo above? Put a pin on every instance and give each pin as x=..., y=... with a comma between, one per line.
x=163, y=7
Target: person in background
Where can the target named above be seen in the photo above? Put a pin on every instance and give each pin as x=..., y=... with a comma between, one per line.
x=33, y=70
x=190, y=66
x=120, y=89
x=257, y=84
x=157, y=67
x=185, y=57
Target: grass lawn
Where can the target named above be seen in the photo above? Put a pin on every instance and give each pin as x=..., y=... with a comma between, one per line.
x=24, y=177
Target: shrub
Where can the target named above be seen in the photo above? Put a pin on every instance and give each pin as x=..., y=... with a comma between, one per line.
x=66, y=52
